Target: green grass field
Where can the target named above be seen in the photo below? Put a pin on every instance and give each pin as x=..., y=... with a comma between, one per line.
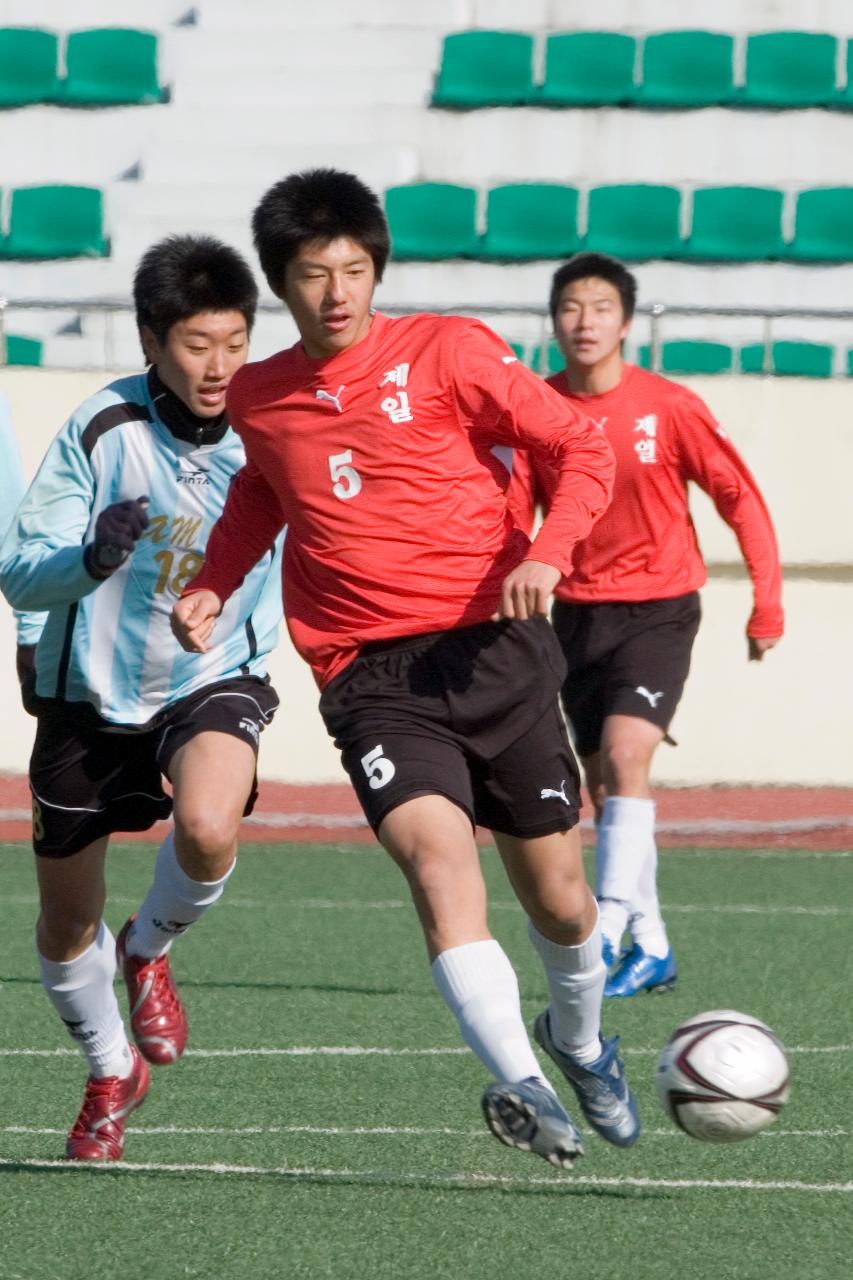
x=325, y=1120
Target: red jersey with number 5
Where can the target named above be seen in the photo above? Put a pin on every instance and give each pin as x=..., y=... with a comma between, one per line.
x=389, y=463
x=644, y=547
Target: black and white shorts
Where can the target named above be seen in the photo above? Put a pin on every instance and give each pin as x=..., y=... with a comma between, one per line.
x=624, y=658
x=89, y=779
x=471, y=714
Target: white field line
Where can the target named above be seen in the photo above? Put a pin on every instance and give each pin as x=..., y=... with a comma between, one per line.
x=371, y=1051
x=670, y=826
x=432, y=1179
x=362, y=1131
x=400, y=904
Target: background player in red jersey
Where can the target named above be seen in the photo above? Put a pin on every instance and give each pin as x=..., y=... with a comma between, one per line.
x=628, y=612
x=420, y=605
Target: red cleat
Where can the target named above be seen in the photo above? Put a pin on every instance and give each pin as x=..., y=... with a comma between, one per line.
x=98, y=1132
x=157, y=1017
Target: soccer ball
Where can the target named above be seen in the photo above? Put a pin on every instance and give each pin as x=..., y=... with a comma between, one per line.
x=723, y=1076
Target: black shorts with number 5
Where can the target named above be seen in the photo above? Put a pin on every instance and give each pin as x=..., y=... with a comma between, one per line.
x=471, y=714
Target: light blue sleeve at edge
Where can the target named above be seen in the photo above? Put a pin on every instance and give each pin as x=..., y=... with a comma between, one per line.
x=29, y=625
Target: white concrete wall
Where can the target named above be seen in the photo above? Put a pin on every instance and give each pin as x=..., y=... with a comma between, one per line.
x=785, y=720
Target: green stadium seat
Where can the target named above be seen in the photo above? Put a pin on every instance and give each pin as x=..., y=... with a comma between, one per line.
x=56, y=222
x=23, y=351
x=485, y=69
x=789, y=69
x=752, y=358
x=634, y=221
x=823, y=225
x=28, y=61
x=643, y=356
x=687, y=357
x=430, y=220
x=109, y=66
x=686, y=69
x=788, y=359
x=739, y=224
x=547, y=358
x=519, y=350
x=850, y=362
x=802, y=359
x=531, y=220
x=588, y=68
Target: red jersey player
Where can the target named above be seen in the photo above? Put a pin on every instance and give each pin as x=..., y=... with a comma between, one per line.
x=384, y=445
x=628, y=612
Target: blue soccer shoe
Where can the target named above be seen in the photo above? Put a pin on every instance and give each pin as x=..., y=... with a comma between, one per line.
x=602, y=1090
x=528, y=1116
x=637, y=971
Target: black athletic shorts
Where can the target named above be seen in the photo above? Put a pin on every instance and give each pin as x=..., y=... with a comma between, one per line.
x=89, y=779
x=623, y=658
x=471, y=714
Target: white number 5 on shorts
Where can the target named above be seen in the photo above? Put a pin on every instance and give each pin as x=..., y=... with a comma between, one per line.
x=378, y=768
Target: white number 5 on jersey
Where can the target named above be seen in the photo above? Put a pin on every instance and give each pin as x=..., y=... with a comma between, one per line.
x=347, y=480
x=378, y=768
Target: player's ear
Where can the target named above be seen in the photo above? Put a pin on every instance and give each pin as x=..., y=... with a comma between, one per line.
x=150, y=345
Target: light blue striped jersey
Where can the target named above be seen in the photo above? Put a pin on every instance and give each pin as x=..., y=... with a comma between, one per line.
x=110, y=643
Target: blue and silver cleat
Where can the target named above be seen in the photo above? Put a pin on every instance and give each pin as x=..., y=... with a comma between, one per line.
x=529, y=1117
x=637, y=971
x=600, y=1086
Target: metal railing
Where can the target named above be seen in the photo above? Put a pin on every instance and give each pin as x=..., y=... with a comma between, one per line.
x=656, y=312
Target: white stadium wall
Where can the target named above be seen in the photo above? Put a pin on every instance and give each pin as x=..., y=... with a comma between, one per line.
x=785, y=720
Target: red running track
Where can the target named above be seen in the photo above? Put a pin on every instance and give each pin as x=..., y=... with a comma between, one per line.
x=710, y=817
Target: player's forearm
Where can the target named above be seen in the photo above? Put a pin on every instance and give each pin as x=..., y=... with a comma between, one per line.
x=46, y=579
x=752, y=526
x=239, y=539
x=582, y=493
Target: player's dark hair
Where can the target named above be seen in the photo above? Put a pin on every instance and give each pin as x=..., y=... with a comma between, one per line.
x=317, y=205
x=584, y=265
x=182, y=276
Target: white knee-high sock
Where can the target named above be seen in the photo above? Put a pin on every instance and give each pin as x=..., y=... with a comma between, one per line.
x=576, y=977
x=480, y=988
x=172, y=904
x=624, y=833
x=81, y=991
x=646, y=922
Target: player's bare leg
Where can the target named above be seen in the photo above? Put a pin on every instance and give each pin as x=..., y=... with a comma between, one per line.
x=212, y=776
x=432, y=842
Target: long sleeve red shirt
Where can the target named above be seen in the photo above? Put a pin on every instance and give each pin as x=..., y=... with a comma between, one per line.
x=644, y=547
x=389, y=463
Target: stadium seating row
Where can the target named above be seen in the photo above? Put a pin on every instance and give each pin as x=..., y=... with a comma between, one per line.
x=676, y=357
x=531, y=221
x=103, y=67
x=55, y=222
x=670, y=69
x=681, y=357
x=434, y=220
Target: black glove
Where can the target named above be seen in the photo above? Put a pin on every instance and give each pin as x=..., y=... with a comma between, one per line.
x=117, y=529
x=25, y=662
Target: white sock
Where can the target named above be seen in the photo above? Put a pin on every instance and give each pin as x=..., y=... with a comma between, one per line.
x=626, y=828
x=576, y=977
x=646, y=923
x=172, y=904
x=479, y=986
x=81, y=991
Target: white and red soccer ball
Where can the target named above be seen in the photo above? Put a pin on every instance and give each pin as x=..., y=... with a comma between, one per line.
x=723, y=1076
